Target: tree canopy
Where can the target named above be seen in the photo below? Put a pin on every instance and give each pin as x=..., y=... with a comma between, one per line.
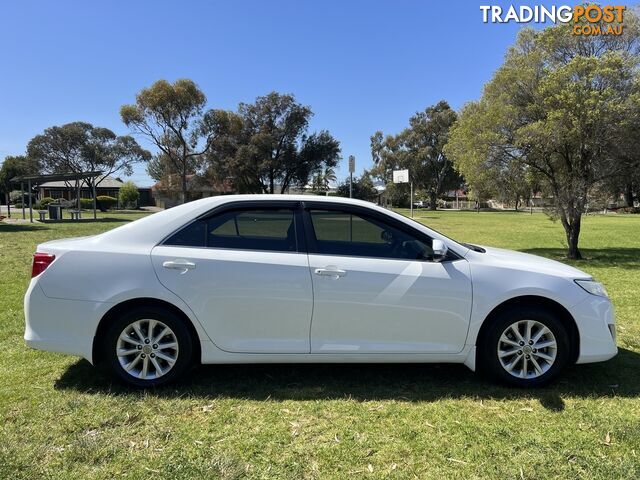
x=15, y=166
x=265, y=146
x=560, y=110
x=419, y=148
x=80, y=147
x=362, y=189
x=171, y=116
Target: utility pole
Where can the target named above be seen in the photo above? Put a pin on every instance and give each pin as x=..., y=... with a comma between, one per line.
x=352, y=168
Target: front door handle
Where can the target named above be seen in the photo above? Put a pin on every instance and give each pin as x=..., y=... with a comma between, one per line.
x=330, y=272
x=183, y=265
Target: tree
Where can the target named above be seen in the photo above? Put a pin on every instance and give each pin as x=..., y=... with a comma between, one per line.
x=419, y=148
x=265, y=147
x=14, y=166
x=80, y=147
x=363, y=188
x=321, y=182
x=171, y=116
x=560, y=108
x=128, y=194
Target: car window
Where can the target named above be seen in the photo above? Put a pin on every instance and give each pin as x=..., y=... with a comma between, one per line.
x=346, y=233
x=254, y=229
x=193, y=235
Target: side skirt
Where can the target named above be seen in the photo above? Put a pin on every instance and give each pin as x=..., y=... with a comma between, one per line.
x=213, y=355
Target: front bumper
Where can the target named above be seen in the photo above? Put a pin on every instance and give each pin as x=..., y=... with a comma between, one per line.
x=596, y=324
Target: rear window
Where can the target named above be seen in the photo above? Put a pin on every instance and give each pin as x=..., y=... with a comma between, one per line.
x=250, y=229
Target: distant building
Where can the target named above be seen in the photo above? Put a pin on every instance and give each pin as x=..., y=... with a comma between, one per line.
x=109, y=186
x=167, y=193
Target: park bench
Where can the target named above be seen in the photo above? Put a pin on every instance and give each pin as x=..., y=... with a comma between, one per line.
x=43, y=215
x=75, y=214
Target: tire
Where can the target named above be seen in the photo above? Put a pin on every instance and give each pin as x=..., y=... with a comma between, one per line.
x=166, y=352
x=532, y=365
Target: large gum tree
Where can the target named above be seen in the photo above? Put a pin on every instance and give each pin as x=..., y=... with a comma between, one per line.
x=563, y=108
x=171, y=116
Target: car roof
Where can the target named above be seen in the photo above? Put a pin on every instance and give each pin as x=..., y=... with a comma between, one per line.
x=151, y=230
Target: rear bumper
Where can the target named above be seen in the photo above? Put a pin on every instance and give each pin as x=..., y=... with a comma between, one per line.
x=57, y=325
x=596, y=324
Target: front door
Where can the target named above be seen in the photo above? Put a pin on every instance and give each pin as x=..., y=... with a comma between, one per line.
x=377, y=289
x=244, y=275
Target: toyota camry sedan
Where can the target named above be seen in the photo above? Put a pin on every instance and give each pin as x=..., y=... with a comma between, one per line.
x=263, y=278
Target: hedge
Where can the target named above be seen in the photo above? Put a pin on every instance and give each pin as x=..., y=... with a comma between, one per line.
x=105, y=202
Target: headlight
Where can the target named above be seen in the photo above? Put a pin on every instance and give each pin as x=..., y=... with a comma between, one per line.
x=593, y=287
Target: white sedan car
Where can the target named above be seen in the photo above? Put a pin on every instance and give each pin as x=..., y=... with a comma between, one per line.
x=257, y=278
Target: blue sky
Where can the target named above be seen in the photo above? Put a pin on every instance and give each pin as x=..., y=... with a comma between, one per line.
x=362, y=66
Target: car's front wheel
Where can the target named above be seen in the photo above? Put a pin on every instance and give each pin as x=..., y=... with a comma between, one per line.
x=525, y=347
x=148, y=347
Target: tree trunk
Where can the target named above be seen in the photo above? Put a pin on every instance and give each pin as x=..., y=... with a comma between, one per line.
x=628, y=195
x=433, y=200
x=517, y=201
x=183, y=194
x=572, y=230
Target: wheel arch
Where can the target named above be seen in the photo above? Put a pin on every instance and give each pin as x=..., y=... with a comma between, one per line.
x=113, y=312
x=537, y=301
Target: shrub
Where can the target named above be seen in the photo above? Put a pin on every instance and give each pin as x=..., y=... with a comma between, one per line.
x=15, y=196
x=628, y=210
x=46, y=201
x=17, y=205
x=86, y=203
x=128, y=195
x=105, y=202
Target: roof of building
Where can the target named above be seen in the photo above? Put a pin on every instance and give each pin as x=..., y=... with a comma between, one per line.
x=107, y=182
x=55, y=177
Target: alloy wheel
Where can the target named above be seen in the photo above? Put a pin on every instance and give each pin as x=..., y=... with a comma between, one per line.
x=147, y=349
x=527, y=349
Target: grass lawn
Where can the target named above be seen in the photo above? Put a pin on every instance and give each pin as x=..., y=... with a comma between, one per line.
x=61, y=418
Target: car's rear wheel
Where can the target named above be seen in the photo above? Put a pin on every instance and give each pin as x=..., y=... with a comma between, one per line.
x=148, y=347
x=525, y=347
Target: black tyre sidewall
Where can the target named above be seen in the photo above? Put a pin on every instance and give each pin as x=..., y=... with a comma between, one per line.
x=185, y=345
x=490, y=363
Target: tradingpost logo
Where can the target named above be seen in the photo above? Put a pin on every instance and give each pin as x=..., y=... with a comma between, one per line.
x=586, y=19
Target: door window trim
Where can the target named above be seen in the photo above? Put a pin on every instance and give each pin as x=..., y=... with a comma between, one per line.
x=305, y=235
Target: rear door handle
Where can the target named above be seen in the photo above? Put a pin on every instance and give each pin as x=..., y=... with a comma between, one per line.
x=330, y=272
x=183, y=265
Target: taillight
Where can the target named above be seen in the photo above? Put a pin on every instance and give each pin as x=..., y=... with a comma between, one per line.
x=40, y=263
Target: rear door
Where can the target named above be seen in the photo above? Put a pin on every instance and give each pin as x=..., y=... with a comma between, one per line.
x=244, y=273
x=377, y=288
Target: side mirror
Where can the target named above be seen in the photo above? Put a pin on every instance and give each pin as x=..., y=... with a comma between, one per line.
x=440, y=250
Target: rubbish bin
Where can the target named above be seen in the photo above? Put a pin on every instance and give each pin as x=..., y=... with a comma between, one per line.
x=55, y=212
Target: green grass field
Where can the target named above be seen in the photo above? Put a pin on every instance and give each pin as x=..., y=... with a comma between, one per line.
x=61, y=418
